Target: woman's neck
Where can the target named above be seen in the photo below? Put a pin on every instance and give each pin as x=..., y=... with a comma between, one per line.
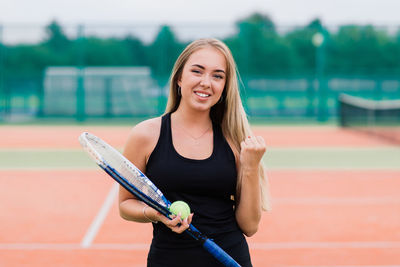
x=192, y=118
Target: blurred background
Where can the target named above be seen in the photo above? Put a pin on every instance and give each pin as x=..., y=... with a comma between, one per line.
x=296, y=71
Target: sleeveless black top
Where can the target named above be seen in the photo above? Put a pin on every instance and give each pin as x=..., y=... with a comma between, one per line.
x=206, y=185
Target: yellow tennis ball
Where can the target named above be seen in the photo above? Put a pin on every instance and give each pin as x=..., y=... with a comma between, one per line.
x=180, y=207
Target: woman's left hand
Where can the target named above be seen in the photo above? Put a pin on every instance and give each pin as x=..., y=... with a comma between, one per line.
x=252, y=151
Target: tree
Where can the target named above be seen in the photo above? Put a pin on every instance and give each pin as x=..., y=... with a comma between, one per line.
x=106, y=52
x=56, y=39
x=163, y=52
x=137, y=50
x=300, y=39
x=259, y=49
x=359, y=49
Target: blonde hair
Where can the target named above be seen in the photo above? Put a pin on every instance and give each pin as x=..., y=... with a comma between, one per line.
x=228, y=112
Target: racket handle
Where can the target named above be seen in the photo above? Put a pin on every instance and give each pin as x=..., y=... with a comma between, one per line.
x=219, y=254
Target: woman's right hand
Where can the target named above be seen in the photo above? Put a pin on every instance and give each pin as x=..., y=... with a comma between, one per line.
x=176, y=225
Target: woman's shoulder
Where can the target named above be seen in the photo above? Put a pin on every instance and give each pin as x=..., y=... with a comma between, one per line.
x=142, y=140
x=146, y=125
x=146, y=130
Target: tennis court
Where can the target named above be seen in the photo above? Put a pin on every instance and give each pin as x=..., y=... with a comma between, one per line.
x=335, y=198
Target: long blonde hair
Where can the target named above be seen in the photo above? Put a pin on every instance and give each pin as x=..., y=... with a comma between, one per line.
x=228, y=112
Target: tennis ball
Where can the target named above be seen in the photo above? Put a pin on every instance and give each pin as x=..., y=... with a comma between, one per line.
x=180, y=207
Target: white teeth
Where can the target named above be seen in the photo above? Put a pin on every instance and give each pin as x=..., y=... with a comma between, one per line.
x=201, y=94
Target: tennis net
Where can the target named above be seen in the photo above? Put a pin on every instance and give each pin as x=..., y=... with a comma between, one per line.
x=380, y=118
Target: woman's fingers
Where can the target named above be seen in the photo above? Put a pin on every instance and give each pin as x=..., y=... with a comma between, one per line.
x=178, y=225
x=252, y=150
x=176, y=219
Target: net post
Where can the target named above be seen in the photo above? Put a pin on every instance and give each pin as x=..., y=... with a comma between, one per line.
x=340, y=113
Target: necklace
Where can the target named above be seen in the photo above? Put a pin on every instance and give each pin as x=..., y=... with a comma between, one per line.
x=195, y=138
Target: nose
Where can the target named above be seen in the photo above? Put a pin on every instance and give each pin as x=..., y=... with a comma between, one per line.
x=205, y=80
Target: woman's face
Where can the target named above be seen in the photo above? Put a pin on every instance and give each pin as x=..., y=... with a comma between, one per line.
x=203, y=79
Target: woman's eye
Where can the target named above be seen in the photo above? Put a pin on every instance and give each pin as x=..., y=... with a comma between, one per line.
x=219, y=76
x=195, y=71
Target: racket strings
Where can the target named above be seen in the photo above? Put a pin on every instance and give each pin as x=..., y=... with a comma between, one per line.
x=124, y=167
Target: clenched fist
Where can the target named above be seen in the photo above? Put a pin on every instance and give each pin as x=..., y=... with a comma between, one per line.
x=252, y=151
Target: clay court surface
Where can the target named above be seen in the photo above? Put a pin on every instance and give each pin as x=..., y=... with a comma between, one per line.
x=336, y=200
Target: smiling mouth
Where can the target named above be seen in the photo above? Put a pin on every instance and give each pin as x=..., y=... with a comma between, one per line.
x=201, y=94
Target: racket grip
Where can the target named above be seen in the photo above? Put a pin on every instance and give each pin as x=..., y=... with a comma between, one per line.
x=219, y=254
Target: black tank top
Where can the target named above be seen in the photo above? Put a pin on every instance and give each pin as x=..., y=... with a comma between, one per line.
x=206, y=185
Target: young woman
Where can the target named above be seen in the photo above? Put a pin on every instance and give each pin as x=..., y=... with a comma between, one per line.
x=200, y=151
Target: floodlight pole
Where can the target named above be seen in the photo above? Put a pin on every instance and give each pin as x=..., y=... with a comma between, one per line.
x=319, y=41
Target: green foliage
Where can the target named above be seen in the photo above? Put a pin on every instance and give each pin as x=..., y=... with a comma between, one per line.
x=137, y=55
x=259, y=47
x=106, y=52
x=163, y=52
x=305, y=52
x=56, y=40
x=360, y=50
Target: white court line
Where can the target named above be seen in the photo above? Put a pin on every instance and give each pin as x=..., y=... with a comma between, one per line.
x=40, y=246
x=255, y=246
x=337, y=200
x=99, y=219
x=324, y=245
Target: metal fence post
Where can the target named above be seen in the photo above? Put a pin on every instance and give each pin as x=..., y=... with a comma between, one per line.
x=310, y=93
x=80, y=90
x=108, y=97
x=5, y=93
x=2, y=94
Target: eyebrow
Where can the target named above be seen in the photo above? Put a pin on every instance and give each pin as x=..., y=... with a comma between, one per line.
x=202, y=67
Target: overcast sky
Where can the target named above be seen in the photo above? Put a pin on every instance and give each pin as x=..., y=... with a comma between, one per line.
x=187, y=12
x=283, y=12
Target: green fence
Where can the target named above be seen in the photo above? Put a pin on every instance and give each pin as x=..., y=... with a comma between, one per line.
x=84, y=71
x=97, y=92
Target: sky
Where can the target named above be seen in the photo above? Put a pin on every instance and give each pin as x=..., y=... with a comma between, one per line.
x=284, y=12
x=24, y=13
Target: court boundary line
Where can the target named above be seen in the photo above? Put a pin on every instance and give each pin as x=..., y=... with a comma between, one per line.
x=337, y=200
x=97, y=222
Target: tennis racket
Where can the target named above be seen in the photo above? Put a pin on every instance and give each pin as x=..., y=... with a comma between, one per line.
x=133, y=180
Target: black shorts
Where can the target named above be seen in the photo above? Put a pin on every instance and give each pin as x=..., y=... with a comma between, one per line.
x=234, y=243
